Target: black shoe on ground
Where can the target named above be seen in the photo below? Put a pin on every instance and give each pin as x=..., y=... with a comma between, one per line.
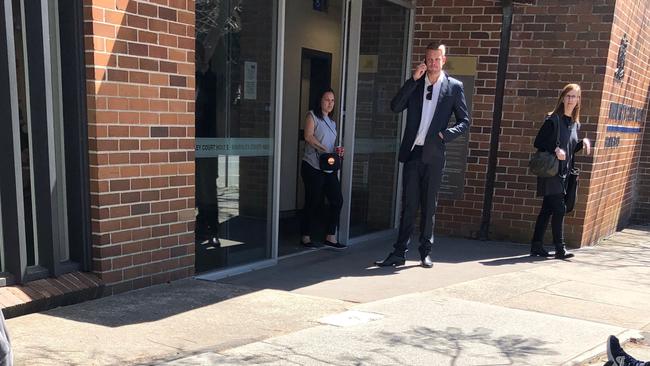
x=618, y=357
x=390, y=261
x=309, y=244
x=425, y=256
x=561, y=253
x=426, y=262
x=337, y=246
x=207, y=239
x=537, y=250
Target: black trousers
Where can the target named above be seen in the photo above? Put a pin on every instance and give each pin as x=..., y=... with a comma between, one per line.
x=421, y=183
x=318, y=185
x=207, y=220
x=553, y=206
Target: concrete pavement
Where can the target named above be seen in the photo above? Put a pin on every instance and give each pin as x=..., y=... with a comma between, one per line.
x=482, y=303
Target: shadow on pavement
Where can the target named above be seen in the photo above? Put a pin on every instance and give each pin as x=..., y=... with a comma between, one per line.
x=158, y=302
x=455, y=260
x=451, y=344
x=358, y=261
x=313, y=268
x=150, y=304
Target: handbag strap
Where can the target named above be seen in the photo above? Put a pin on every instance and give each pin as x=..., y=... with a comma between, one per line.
x=318, y=120
x=330, y=127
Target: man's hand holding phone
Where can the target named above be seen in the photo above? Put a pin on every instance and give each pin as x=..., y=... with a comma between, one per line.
x=419, y=71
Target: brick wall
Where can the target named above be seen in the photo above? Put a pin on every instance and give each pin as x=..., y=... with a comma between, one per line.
x=140, y=83
x=553, y=43
x=468, y=28
x=615, y=175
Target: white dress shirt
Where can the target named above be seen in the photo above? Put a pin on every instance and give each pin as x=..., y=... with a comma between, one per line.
x=428, y=108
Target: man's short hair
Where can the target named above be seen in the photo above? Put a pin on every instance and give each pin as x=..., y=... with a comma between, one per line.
x=437, y=46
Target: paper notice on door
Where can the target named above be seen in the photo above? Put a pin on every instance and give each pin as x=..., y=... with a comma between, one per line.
x=250, y=80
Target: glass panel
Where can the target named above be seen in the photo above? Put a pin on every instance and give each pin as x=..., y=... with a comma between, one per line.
x=234, y=129
x=25, y=132
x=59, y=193
x=377, y=130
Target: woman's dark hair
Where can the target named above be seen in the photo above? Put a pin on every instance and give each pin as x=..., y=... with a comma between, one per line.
x=318, y=111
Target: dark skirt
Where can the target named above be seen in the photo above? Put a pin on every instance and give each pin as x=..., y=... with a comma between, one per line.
x=551, y=186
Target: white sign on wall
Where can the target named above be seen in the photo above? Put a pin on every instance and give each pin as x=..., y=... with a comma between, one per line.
x=250, y=80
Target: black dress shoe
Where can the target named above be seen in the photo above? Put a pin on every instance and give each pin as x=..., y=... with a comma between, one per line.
x=337, y=246
x=563, y=254
x=309, y=244
x=539, y=251
x=391, y=260
x=426, y=262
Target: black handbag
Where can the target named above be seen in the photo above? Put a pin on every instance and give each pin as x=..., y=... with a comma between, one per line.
x=329, y=161
x=571, y=190
x=545, y=164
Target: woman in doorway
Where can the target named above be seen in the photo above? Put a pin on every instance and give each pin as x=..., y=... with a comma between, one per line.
x=566, y=118
x=320, y=137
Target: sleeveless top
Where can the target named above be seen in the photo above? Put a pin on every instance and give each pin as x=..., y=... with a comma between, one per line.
x=325, y=133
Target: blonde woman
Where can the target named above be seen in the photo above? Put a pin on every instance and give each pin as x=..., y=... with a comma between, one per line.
x=566, y=118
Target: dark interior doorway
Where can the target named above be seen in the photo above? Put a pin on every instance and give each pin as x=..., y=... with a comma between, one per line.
x=316, y=76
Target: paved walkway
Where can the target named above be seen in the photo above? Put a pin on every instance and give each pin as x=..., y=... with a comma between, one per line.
x=482, y=303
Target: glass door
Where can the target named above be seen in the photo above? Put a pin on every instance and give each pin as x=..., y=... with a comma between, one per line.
x=378, y=54
x=234, y=158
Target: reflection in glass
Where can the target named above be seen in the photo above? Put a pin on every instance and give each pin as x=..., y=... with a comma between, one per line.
x=233, y=123
x=24, y=132
x=377, y=128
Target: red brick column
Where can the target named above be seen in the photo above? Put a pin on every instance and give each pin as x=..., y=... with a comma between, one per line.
x=617, y=172
x=140, y=83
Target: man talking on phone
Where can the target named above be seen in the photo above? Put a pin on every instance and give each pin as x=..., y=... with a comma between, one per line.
x=430, y=96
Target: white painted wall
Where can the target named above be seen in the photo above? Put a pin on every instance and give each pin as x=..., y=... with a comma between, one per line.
x=309, y=29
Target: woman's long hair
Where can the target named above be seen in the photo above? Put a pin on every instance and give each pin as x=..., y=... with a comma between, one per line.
x=559, y=107
x=318, y=111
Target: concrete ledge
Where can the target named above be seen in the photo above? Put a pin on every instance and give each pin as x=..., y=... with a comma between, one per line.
x=40, y=295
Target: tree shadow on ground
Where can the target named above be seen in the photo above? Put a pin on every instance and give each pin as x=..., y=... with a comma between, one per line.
x=451, y=346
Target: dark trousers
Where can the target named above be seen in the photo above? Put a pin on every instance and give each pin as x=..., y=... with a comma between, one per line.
x=318, y=185
x=207, y=220
x=552, y=206
x=421, y=183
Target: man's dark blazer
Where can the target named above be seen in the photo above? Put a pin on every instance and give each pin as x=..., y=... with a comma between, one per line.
x=451, y=100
